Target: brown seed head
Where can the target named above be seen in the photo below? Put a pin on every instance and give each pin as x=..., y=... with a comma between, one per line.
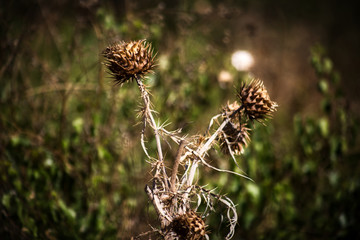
x=235, y=137
x=256, y=101
x=190, y=226
x=129, y=60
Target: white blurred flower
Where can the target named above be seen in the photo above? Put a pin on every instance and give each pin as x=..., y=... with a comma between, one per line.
x=224, y=78
x=242, y=60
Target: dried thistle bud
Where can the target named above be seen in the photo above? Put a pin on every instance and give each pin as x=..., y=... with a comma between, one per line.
x=190, y=226
x=235, y=138
x=256, y=101
x=129, y=60
x=229, y=110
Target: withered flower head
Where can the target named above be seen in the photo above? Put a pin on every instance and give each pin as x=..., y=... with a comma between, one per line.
x=190, y=226
x=229, y=109
x=256, y=101
x=129, y=60
x=234, y=137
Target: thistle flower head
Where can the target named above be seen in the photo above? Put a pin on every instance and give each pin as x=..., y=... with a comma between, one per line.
x=256, y=101
x=129, y=60
x=235, y=138
x=190, y=226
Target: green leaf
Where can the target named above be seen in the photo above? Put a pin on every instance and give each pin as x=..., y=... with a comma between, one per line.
x=324, y=126
x=5, y=200
x=69, y=212
x=103, y=153
x=253, y=190
x=78, y=124
x=327, y=65
x=323, y=86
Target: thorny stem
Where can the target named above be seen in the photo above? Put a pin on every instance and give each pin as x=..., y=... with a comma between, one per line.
x=207, y=145
x=199, y=153
x=153, y=196
x=148, y=113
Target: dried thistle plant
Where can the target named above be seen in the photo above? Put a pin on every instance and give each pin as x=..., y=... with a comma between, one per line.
x=256, y=101
x=173, y=194
x=129, y=60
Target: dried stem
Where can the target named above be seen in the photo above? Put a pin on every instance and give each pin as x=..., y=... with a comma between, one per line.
x=148, y=115
x=209, y=142
x=176, y=166
x=154, y=197
x=200, y=152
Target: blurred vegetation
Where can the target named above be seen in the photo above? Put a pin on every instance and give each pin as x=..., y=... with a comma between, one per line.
x=71, y=164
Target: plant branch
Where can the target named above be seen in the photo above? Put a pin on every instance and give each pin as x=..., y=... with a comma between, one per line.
x=164, y=218
x=176, y=166
x=148, y=115
x=200, y=152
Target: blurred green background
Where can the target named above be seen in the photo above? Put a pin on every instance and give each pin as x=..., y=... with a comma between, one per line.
x=71, y=164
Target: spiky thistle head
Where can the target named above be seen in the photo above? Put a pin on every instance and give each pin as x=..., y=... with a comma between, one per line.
x=256, y=101
x=129, y=60
x=234, y=138
x=190, y=226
